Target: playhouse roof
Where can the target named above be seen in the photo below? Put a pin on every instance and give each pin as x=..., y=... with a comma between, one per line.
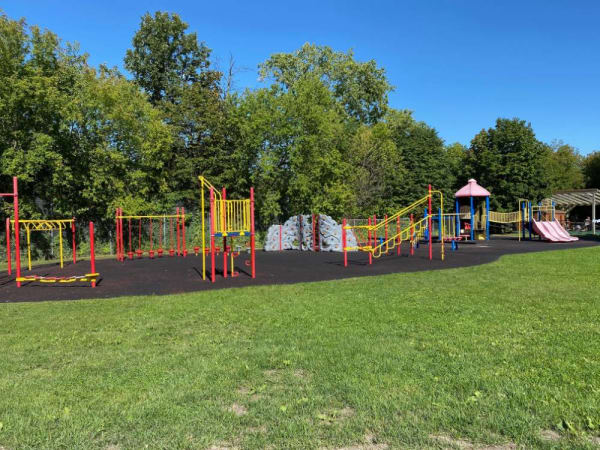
x=472, y=189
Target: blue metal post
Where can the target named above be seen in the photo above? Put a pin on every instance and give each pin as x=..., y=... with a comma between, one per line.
x=457, y=219
x=427, y=230
x=523, y=220
x=472, y=219
x=440, y=218
x=487, y=218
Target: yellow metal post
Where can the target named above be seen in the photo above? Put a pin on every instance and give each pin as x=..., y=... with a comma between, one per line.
x=60, y=240
x=28, y=247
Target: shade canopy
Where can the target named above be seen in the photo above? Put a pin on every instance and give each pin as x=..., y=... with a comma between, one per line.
x=472, y=189
x=576, y=197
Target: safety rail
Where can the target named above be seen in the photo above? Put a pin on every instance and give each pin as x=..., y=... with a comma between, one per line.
x=415, y=229
x=231, y=216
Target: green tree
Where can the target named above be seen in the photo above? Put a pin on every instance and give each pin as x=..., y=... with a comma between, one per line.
x=361, y=87
x=564, y=167
x=591, y=169
x=509, y=161
x=424, y=157
x=165, y=58
x=81, y=141
x=174, y=69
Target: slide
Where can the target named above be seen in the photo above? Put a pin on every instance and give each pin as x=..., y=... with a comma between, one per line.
x=552, y=231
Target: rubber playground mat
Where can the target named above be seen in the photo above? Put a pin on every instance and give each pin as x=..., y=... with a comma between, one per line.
x=172, y=275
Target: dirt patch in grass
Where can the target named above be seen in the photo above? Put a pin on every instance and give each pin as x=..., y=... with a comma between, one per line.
x=273, y=374
x=302, y=374
x=335, y=415
x=257, y=430
x=595, y=440
x=223, y=446
x=238, y=410
x=450, y=442
x=370, y=443
x=550, y=435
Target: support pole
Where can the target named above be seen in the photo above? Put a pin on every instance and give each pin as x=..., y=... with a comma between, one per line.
x=17, y=231
x=252, y=235
x=429, y=210
x=212, y=235
x=74, y=243
x=412, y=235
x=472, y=219
x=60, y=240
x=344, y=245
x=183, y=232
x=203, y=229
x=457, y=218
x=530, y=214
x=398, y=237
x=8, y=256
x=178, y=225
x=440, y=218
x=224, y=229
x=594, y=213
x=370, y=243
x=92, y=252
x=487, y=218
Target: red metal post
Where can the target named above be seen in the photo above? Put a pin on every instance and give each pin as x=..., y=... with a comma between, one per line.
x=370, y=239
x=92, y=253
x=17, y=231
x=139, y=250
x=74, y=243
x=178, y=222
x=252, y=241
x=374, y=234
x=344, y=240
x=212, y=235
x=130, y=253
x=224, y=226
x=151, y=252
x=183, y=231
x=430, y=231
x=8, y=257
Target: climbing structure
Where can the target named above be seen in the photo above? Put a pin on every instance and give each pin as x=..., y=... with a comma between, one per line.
x=227, y=220
x=316, y=232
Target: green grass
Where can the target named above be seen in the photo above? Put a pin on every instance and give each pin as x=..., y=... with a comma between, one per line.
x=489, y=354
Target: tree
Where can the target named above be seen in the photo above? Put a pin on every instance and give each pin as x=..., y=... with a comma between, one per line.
x=423, y=156
x=509, y=161
x=165, y=58
x=81, y=141
x=361, y=87
x=564, y=167
x=591, y=169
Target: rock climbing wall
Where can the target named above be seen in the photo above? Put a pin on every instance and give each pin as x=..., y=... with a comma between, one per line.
x=296, y=234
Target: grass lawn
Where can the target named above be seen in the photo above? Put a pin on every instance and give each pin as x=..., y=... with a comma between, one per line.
x=506, y=353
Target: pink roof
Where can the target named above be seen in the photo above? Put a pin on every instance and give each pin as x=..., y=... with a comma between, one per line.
x=472, y=189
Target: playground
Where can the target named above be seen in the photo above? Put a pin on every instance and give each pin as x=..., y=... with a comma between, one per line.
x=166, y=275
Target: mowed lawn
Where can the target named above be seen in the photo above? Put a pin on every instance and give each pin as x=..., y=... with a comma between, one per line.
x=502, y=354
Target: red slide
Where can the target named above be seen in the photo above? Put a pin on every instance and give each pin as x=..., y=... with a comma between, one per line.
x=552, y=231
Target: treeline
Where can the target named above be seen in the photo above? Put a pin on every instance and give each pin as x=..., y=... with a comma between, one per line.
x=319, y=137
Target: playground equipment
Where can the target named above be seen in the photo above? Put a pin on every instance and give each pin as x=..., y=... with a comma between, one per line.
x=47, y=225
x=476, y=221
x=316, y=232
x=226, y=219
x=368, y=235
x=143, y=226
x=43, y=225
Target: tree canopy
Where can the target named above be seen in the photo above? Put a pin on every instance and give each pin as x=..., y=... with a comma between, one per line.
x=317, y=136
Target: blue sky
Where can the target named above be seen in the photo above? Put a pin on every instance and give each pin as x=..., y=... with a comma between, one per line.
x=457, y=64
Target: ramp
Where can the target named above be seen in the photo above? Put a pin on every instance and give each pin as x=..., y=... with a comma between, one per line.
x=552, y=231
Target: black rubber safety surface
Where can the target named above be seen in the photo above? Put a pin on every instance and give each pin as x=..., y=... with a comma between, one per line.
x=172, y=275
